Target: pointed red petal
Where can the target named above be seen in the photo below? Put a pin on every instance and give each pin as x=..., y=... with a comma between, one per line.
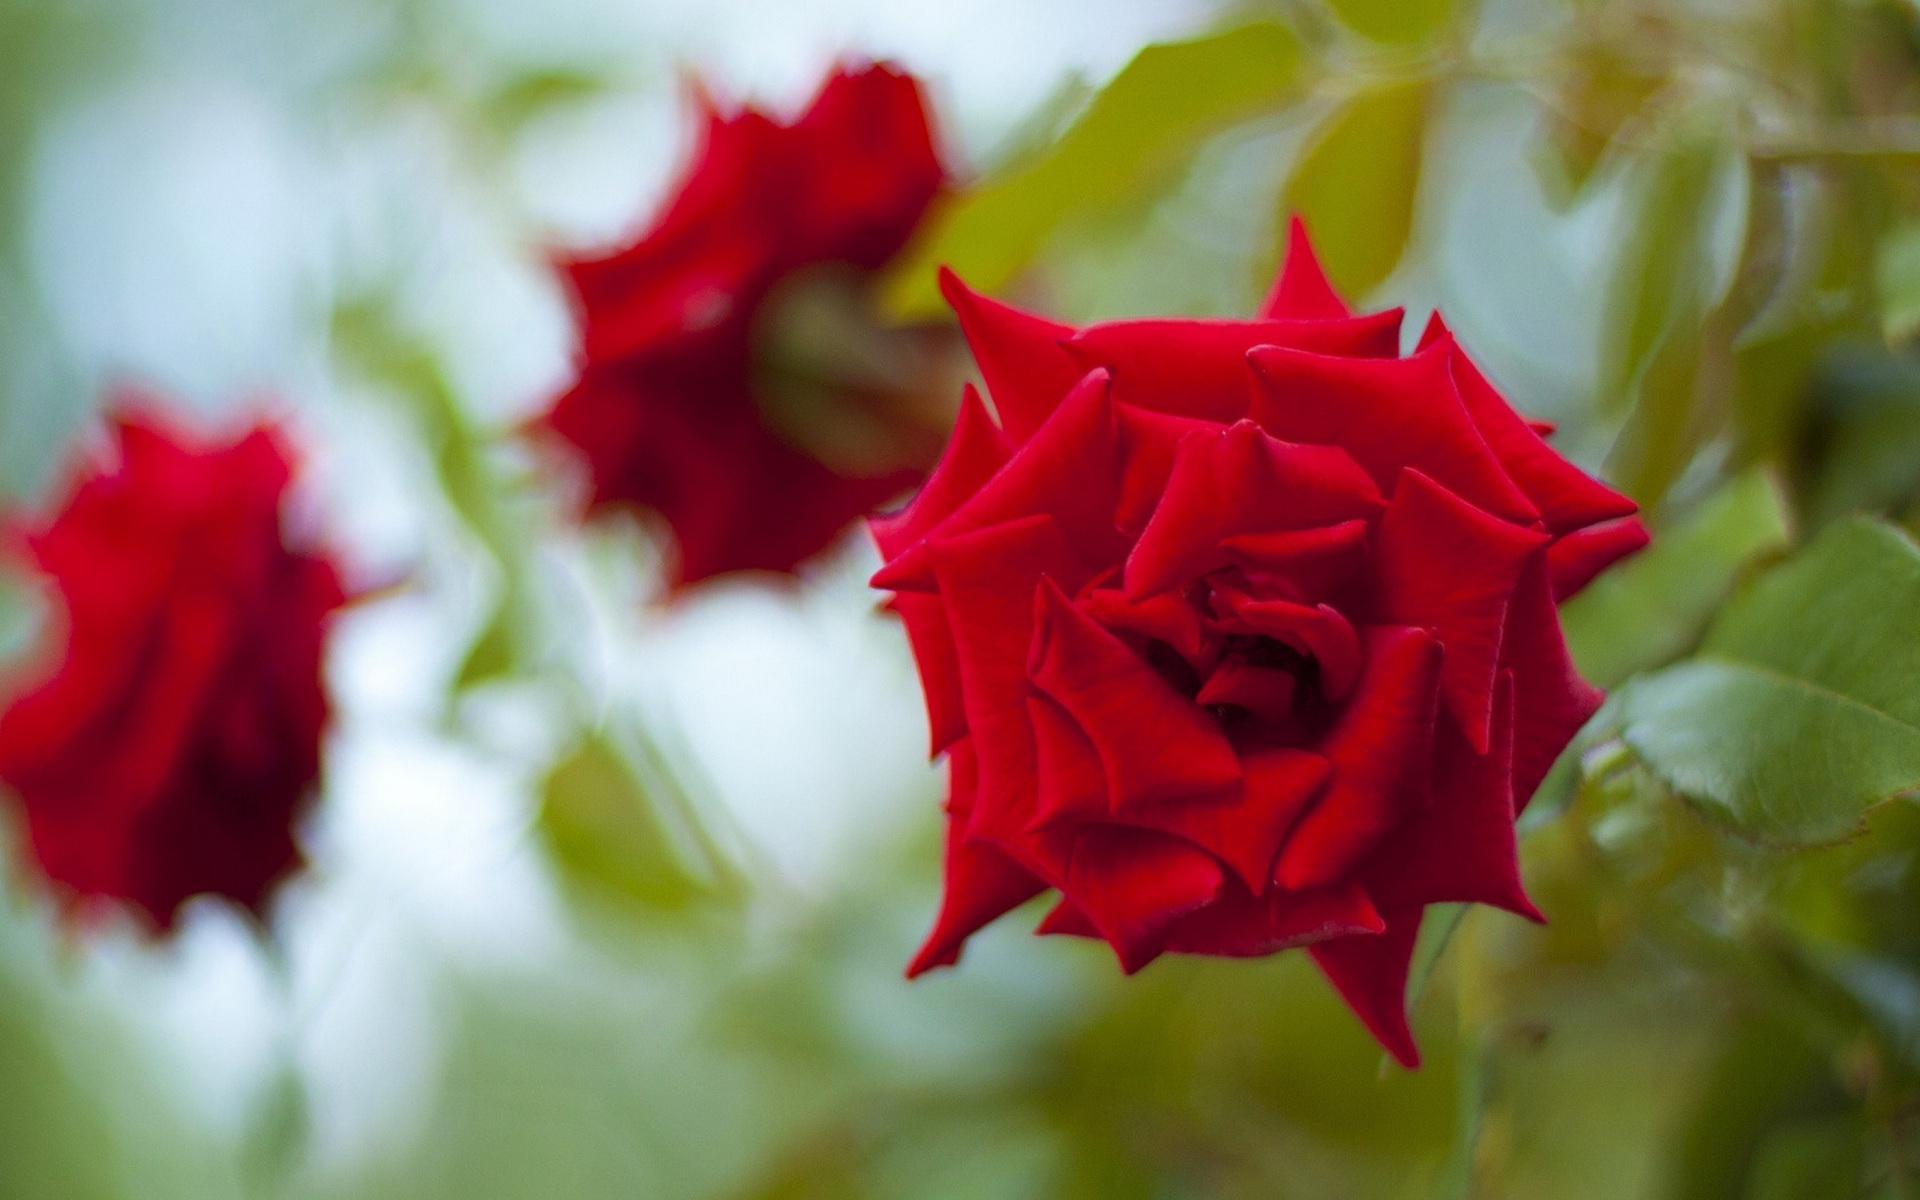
x=1460, y=848
x=1447, y=567
x=1388, y=414
x=1370, y=973
x=1302, y=291
x=1575, y=559
x=1020, y=356
x=1382, y=760
x=982, y=883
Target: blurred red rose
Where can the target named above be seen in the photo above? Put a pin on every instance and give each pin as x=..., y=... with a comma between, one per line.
x=176, y=734
x=730, y=377
x=1241, y=634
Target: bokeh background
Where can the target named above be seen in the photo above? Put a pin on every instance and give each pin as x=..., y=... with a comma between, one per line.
x=610, y=897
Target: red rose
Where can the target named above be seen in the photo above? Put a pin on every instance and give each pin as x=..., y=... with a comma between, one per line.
x=1241, y=634
x=694, y=399
x=176, y=735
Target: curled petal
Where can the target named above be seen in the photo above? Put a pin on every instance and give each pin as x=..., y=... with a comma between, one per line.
x=1445, y=566
x=1460, y=848
x=1197, y=368
x=1389, y=414
x=975, y=452
x=1242, y=924
x=1575, y=559
x=1154, y=743
x=1245, y=826
x=1381, y=751
x=1238, y=481
x=1132, y=883
x=1567, y=497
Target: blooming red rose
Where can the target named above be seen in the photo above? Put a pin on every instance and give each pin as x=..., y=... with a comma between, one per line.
x=176, y=733
x=1240, y=635
x=726, y=354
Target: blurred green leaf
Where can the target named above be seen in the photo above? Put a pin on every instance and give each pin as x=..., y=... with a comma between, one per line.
x=1687, y=204
x=1802, y=710
x=1652, y=608
x=1897, y=272
x=527, y=97
x=1599, y=88
x=1153, y=115
x=1859, y=436
x=1402, y=22
x=629, y=839
x=1356, y=183
x=1814, y=1159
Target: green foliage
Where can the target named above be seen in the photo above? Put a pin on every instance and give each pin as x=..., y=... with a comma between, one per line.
x=1356, y=182
x=1672, y=274
x=1397, y=21
x=627, y=834
x=1898, y=276
x=1654, y=607
x=1149, y=118
x=1800, y=712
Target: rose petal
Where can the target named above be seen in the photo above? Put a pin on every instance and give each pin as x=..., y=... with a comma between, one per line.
x=1020, y=356
x=975, y=452
x=1197, y=368
x=1132, y=883
x=982, y=883
x=1567, y=497
x=1551, y=700
x=1388, y=414
x=1575, y=559
x=1446, y=566
x=1381, y=751
x=1154, y=743
x=1460, y=848
x=1243, y=925
x=1302, y=292
x=1244, y=827
x=1370, y=973
x=1239, y=481
x=987, y=580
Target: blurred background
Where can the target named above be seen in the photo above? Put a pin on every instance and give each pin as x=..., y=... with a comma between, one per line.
x=610, y=897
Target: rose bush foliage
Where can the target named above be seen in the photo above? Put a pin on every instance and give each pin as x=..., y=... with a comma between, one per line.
x=1241, y=635
x=170, y=735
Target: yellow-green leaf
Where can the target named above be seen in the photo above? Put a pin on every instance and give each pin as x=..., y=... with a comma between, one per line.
x=1150, y=117
x=1356, y=182
x=632, y=841
x=1396, y=22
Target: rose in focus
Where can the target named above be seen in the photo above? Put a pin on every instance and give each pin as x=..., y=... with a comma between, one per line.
x=1242, y=635
x=171, y=736
x=732, y=378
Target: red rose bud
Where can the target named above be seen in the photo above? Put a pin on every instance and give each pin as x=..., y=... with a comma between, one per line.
x=732, y=377
x=1240, y=635
x=174, y=734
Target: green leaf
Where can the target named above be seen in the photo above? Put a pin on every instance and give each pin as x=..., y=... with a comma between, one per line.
x=1401, y=22
x=630, y=840
x=1653, y=608
x=1356, y=183
x=1897, y=272
x=1802, y=710
x=1688, y=203
x=1150, y=118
